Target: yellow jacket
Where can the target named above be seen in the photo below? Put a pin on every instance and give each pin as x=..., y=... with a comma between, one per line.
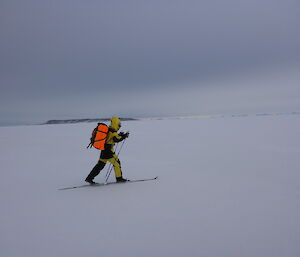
x=112, y=137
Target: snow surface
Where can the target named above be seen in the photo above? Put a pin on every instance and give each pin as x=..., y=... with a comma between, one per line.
x=227, y=187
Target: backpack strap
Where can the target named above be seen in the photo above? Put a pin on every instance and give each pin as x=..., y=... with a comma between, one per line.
x=92, y=139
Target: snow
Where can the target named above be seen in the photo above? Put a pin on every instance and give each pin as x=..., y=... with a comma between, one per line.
x=227, y=187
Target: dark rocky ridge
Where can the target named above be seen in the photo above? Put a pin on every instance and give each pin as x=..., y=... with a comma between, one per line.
x=69, y=121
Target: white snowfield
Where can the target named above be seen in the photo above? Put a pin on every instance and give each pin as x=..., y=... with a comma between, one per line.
x=227, y=187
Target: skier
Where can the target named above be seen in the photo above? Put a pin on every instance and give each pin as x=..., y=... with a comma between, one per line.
x=108, y=154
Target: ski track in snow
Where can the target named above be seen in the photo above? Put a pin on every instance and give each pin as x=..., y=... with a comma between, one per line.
x=227, y=187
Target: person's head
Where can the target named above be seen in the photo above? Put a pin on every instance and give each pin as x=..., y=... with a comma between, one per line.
x=115, y=123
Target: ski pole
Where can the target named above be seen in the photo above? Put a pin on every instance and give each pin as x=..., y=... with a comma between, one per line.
x=108, y=173
x=109, y=166
x=112, y=165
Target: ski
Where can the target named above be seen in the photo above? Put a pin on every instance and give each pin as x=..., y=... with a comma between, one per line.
x=108, y=183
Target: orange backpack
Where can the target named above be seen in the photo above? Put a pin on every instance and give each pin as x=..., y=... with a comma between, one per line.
x=99, y=136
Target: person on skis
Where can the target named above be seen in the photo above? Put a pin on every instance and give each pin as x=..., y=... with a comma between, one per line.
x=108, y=154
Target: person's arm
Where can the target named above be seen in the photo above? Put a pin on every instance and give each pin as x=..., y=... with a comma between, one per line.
x=120, y=137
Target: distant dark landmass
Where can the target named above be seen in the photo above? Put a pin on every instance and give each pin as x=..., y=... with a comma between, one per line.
x=70, y=121
x=82, y=120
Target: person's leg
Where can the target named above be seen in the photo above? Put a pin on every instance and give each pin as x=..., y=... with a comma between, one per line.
x=117, y=166
x=95, y=171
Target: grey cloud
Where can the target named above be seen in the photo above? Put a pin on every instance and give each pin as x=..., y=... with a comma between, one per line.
x=67, y=48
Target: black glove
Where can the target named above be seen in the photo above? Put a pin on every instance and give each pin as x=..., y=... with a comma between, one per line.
x=124, y=135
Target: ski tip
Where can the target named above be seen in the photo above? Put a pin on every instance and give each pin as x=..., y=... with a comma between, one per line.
x=66, y=188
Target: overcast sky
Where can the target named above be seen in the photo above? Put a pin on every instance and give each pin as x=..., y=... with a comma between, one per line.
x=93, y=58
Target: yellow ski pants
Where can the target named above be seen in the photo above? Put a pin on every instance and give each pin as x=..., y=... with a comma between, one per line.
x=116, y=163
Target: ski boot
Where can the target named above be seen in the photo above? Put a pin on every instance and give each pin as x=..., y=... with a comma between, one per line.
x=90, y=181
x=121, y=180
